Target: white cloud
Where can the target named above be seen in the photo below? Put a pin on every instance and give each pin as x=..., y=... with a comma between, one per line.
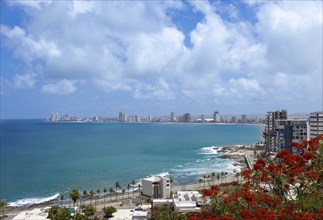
x=33, y=4
x=160, y=90
x=26, y=46
x=23, y=81
x=62, y=87
x=81, y=7
x=136, y=48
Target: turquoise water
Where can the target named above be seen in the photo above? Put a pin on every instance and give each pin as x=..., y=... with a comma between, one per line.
x=40, y=159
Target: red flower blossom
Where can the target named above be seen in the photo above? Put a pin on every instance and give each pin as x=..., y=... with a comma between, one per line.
x=308, y=155
x=245, y=213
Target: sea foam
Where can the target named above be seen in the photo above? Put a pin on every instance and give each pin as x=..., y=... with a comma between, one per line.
x=210, y=150
x=32, y=201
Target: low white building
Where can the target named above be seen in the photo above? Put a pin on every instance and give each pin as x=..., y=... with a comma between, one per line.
x=142, y=212
x=187, y=201
x=156, y=187
x=35, y=214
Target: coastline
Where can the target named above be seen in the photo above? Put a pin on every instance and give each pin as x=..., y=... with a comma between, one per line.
x=234, y=153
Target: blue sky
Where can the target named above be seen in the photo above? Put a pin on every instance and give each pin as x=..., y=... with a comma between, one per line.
x=90, y=58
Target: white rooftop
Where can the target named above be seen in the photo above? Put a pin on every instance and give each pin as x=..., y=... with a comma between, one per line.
x=129, y=214
x=186, y=198
x=35, y=214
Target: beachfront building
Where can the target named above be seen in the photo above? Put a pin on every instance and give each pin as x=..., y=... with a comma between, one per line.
x=270, y=129
x=316, y=124
x=243, y=118
x=156, y=187
x=187, y=201
x=172, y=116
x=186, y=118
x=122, y=117
x=290, y=130
x=216, y=117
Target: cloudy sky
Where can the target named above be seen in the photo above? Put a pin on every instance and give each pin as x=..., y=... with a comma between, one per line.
x=91, y=58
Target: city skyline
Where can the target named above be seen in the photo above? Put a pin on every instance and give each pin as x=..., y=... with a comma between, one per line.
x=88, y=58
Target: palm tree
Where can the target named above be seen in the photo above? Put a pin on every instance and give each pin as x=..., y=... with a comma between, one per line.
x=225, y=176
x=75, y=195
x=218, y=176
x=213, y=175
x=91, y=195
x=139, y=186
x=2, y=205
x=171, y=181
x=128, y=187
x=133, y=183
x=111, y=190
x=123, y=192
x=117, y=186
x=208, y=179
x=84, y=193
x=61, y=196
x=222, y=174
x=98, y=194
x=105, y=190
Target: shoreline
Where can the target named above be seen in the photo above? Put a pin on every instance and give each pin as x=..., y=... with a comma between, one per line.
x=235, y=153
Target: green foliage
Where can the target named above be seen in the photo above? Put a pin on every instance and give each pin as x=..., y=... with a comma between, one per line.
x=89, y=211
x=58, y=213
x=2, y=205
x=165, y=213
x=80, y=216
x=108, y=211
x=75, y=195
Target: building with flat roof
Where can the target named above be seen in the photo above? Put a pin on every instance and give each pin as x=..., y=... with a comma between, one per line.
x=216, y=117
x=270, y=129
x=156, y=187
x=316, y=124
x=187, y=201
x=172, y=116
x=122, y=117
x=35, y=214
x=291, y=130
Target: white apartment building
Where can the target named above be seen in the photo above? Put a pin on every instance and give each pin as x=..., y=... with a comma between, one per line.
x=187, y=201
x=316, y=124
x=156, y=187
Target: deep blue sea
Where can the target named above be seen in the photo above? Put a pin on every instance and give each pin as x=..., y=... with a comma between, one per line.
x=40, y=159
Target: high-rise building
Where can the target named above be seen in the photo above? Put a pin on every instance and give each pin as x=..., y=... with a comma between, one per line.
x=186, y=117
x=172, y=116
x=270, y=129
x=291, y=130
x=243, y=118
x=216, y=117
x=316, y=124
x=149, y=118
x=54, y=117
x=203, y=118
x=122, y=117
x=234, y=119
x=137, y=118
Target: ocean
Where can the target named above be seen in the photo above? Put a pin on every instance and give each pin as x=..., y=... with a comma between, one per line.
x=40, y=159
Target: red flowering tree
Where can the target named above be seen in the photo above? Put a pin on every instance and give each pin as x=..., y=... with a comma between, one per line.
x=285, y=187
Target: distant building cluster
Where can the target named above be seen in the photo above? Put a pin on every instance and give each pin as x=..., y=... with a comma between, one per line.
x=281, y=131
x=215, y=117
